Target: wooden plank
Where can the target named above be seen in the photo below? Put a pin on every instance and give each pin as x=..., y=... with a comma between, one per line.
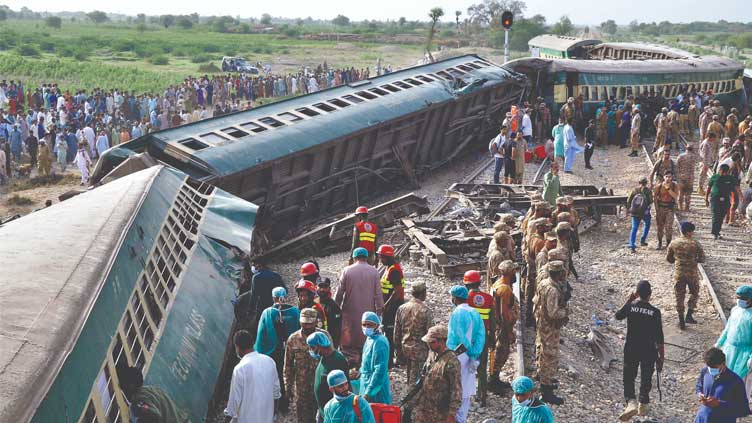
x=417, y=234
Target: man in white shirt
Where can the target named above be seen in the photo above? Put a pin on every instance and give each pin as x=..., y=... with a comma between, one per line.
x=495, y=148
x=527, y=127
x=251, y=400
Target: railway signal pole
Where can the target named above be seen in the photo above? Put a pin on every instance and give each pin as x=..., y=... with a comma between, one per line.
x=507, y=18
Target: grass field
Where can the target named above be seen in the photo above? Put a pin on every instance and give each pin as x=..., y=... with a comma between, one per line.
x=86, y=55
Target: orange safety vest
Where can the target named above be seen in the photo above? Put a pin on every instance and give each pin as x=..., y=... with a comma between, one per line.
x=367, y=236
x=483, y=303
x=386, y=285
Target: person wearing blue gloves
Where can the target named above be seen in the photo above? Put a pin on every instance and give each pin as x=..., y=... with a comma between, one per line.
x=345, y=407
x=374, y=366
x=736, y=339
x=467, y=334
x=526, y=407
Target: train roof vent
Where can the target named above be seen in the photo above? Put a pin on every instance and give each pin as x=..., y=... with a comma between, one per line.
x=290, y=117
x=253, y=127
x=391, y=88
x=274, y=123
x=339, y=102
x=379, y=91
x=353, y=99
x=414, y=82
x=424, y=78
x=325, y=107
x=402, y=85
x=308, y=112
x=366, y=95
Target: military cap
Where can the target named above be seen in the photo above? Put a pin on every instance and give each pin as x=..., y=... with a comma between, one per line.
x=418, y=287
x=507, y=266
x=643, y=180
x=436, y=333
x=556, y=266
x=569, y=199
x=500, y=236
x=551, y=236
x=541, y=221
x=510, y=220
x=563, y=226
x=536, y=196
x=744, y=291
x=564, y=217
x=522, y=385
x=558, y=253
x=500, y=226
x=309, y=315
x=561, y=201
x=543, y=205
x=459, y=291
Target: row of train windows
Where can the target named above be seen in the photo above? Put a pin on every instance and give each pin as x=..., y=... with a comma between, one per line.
x=329, y=106
x=601, y=93
x=149, y=302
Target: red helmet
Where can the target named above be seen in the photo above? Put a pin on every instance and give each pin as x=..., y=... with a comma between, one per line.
x=385, y=250
x=361, y=210
x=307, y=285
x=308, y=269
x=471, y=276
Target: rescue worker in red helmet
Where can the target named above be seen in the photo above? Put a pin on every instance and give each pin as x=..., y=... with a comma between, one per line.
x=483, y=303
x=306, y=291
x=310, y=272
x=364, y=234
x=393, y=290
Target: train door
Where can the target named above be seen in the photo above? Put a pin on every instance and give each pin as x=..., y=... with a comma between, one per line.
x=573, y=79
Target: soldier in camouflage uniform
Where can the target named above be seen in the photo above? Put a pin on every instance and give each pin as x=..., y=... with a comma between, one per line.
x=552, y=314
x=715, y=127
x=542, y=258
x=535, y=243
x=148, y=404
x=413, y=320
x=440, y=396
x=300, y=368
x=673, y=126
x=661, y=124
x=692, y=119
x=503, y=249
x=685, y=253
x=506, y=312
x=685, y=175
x=601, y=127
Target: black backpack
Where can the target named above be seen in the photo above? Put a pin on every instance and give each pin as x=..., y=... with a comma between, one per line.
x=639, y=205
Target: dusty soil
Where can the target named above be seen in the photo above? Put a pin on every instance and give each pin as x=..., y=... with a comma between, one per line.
x=37, y=195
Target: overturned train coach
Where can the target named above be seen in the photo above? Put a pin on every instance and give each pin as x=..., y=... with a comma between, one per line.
x=314, y=155
x=141, y=274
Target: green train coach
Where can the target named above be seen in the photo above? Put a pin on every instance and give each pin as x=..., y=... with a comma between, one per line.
x=598, y=80
x=139, y=272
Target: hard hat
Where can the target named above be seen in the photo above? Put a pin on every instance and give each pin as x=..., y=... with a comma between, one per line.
x=471, y=276
x=361, y=210
x=385, y=250
x=307, y=285
x=308, y=269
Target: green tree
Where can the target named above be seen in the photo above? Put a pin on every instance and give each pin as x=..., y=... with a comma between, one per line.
x=341, y=20
x=184, y=22
x=401, y=21
x=98, y=17
x=53, y=22
x=266, y=19
x=141, y=18
x=434, y=14
x=141, y=27
x=3, y=15
x=609, y=27
x=167, y=20
x=563, y=27
x=457, y=14
x=489, y=11
x=524, y=30
x=634, y=26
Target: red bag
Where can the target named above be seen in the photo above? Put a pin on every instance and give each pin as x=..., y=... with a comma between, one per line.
x=528, y=156
x=540, y=152
x=384, y=413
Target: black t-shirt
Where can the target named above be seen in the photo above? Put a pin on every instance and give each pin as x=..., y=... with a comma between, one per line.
x=508, y=146
x=644, y=329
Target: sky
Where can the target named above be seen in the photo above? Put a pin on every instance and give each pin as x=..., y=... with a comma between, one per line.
x=582, y=12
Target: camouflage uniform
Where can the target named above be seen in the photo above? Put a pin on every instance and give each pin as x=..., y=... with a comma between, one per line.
x=664, y=213
x=716, y=128
x=661, y=130
x=692, y=118
x=552, y=314
x=685, y=176
x=673, y=125
x=732, y=126
x=685, y=253
x=299, y=374
x=441, y=394
x=411, y=324
x=510, y=312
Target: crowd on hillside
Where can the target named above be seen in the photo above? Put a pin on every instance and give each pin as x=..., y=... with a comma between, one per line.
x=45, y=124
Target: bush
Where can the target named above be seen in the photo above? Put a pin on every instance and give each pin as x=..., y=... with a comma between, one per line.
x=201, y=58
x=47, y=46
x=28, y=50
x=81, y=54
x=159, y=60
x=211, y=48
x=17, y=200
x=124, y=45
x=229, y=51
x=209, y=68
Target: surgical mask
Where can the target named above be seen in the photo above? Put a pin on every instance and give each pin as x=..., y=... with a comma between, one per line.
x=742, y=303
x=527, y=402
x=341, y=397
x=369, y=331
x=315, y=355
x=714, y=372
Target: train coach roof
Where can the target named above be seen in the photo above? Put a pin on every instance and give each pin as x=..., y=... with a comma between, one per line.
x=407, y=91
x=689, y=65
x=672, y=52
x=561, y=42
x=49, y=281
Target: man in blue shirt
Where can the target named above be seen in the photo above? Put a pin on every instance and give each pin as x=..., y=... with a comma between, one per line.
x=720, y=391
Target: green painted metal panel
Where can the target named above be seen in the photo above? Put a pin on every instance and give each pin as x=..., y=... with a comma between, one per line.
x=653, y=78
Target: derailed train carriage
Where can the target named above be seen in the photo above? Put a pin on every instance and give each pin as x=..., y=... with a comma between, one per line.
x=313, y=155
x=141, y=274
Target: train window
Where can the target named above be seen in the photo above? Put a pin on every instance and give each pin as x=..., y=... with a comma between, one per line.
x=235, y=132
x=733, y=85
x=427, y=79
x=325, y=107
x=614, y=92
x=465, y=68
x=622, y=93
x=118, y=355
x=213, y=138
x=585, y=92
x=308, y=112
x=594, y=94
x=604, y=93
x=456, y=72
x=104, y=388
x=290, y=117
x=444, y=75
x=481, y=63
x=193, y=144
x=253, y=127
x=629, y=91
x=366, y=95
x=402, y=85
x=91, y=414
x=412, y=81
x=274, y=123
x=473, y=65
x=378, y=91
x=339, y=103
x=353, y=99
x=391, y=88
x=114, y=415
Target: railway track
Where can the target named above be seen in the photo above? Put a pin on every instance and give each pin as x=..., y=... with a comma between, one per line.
x=727, y=260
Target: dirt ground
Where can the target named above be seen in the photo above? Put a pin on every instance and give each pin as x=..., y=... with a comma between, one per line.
x=37, y=195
